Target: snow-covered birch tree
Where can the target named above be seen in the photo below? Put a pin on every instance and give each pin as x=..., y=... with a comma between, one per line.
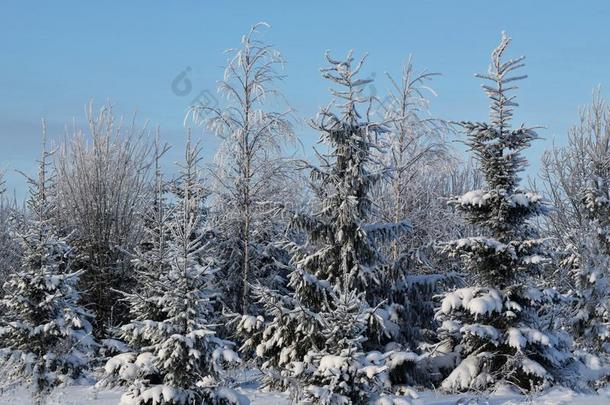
x=577, y=178
x=103, y=180
x=414, y=143
x=424, y=173
x=250, y=174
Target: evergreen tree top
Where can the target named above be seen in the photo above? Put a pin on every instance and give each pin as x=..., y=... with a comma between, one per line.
x=502, y=209
x=496, y=145
x=351, y=92
x=39, y=191
x=343, y=184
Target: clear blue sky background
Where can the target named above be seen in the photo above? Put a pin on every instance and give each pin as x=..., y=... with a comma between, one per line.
x=55, y=56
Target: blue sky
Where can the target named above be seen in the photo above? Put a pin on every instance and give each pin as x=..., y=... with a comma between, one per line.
x=56, y=56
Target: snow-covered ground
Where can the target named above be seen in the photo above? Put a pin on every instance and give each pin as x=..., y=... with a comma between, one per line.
x=89, y=396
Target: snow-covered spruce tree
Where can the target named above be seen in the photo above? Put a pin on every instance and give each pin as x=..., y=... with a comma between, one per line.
x=150, y=259
x=314, y=340
x=343, y=372
x=495, y=325
x=152, y=255
x=176, y=357
x=45, y=336
x=250, y=176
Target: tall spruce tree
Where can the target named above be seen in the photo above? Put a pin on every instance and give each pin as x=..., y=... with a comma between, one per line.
x=176, y=357
x=337, y=270
x=45, y=336
x=495, y=325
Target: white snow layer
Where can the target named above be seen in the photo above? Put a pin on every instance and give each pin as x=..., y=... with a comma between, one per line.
x=476, y=300
x=86, y=395
x=480, y=197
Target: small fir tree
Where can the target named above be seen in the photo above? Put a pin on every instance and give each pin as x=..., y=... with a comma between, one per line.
x=45, y=336
x=176, y=357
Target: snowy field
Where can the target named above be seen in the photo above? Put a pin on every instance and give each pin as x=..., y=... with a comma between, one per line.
x=558, y=396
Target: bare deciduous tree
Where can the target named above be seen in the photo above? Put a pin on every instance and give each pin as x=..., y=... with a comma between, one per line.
x=577, y=179
x=249, y=172
x=567, y=171
x=425, y=171
x=103, y=185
